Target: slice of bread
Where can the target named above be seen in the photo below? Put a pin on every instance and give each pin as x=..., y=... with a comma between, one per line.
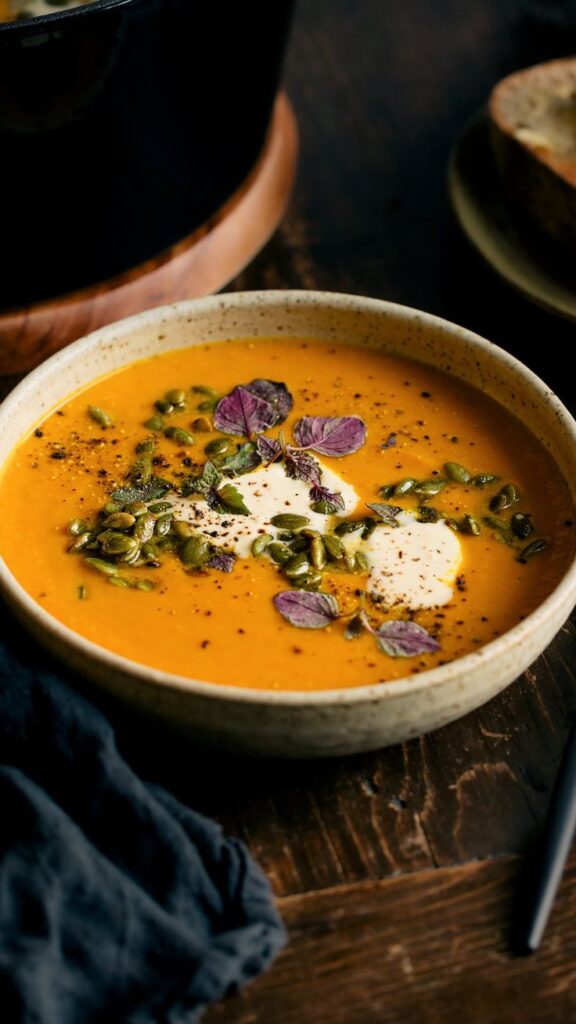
x=533, y=130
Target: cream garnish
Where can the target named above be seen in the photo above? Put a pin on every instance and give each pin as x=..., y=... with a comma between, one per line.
x=414, y=564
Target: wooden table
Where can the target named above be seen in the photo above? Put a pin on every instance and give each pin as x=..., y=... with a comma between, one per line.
x=397, y=872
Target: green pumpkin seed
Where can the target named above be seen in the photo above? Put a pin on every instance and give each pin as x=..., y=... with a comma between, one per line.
x=100, y=416
x=285, y=535
x=208, y=406
x=260, y=544
x=176, y=396
x=164, y=406
x=404, y=487
x=469, y=524
x=144, y=529
x=136, y=509
x=179, y=435
x=147, y=447
x=141, y=471
x=534, y=548
x=155, y=423
x=132, y=554
x=317, y=553
x=299, y=544
x=483, y=479
x=119, y=521
x=309, y=533
x=195, y=552
x=454, y=471
x=112, y=506
x=361, y=562
x=500, y=528
x=106, y=568
x=163, y=525
x=160, y=506
x=145, y=585
x=311, y=581
x=334, y=547
x=278, y=552
x=81, y=592
x=430, y=488
x=427, y=514
x=297, y=566
x=521, y=525
x=350, y=526
x=119, y=581
x=201, y=389
x=387, y=490
x=202, y=425
x=323, y=507
x=219, y=448
x=506, y=497
x=76, y=527
x=149, y=549
x=113, y=543
x=79, y=542
x=287, y=521
x=181, y=529
x=350, y=561
x=453, y=524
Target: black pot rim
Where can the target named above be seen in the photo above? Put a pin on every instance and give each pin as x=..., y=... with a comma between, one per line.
x=89, y=9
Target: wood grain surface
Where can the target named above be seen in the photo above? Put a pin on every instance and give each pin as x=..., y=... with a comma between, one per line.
x=399, y=873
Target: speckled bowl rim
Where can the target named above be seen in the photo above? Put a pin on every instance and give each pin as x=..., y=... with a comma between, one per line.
x=563, y=593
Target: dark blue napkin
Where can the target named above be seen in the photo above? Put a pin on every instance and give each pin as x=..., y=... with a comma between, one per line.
x=118, y=905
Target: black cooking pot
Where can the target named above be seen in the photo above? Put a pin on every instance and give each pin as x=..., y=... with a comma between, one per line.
x=124, y=125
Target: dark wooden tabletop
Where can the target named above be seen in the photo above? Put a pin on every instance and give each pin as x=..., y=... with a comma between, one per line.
x=398, y=872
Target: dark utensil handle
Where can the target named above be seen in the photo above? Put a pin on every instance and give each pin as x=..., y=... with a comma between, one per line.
x=558, y=835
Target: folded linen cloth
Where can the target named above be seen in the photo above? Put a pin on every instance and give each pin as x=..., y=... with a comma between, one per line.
x=118, y=905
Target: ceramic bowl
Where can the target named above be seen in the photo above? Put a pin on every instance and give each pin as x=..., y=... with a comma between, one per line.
x=329, y=722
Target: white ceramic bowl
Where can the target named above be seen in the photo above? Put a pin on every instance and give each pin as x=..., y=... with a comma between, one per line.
x=331, y=721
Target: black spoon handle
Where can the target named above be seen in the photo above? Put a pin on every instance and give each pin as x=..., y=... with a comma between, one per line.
x=557, y=839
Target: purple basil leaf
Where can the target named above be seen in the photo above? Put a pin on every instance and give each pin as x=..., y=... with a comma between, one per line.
x=387, y=513
x=331, y=435
x=268, y=448
x=308, y=610
x=404, y=639
x=319, y=493
x=390, y=441
x=274, y=392
x=222, y=560
x=301, y=466
x=243, y=413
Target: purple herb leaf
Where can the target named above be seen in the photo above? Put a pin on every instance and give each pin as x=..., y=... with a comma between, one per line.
x=387, y=513
x=268, y=448
x=308, y=610
x=301, y=466
x=390, y=442
x=404, y=639
x=334, y=498
x=221, y=560
x=243, y=413
x=330, y=435
x=275, y=393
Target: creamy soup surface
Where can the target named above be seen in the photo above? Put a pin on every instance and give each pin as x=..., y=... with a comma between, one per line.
x=285, y=514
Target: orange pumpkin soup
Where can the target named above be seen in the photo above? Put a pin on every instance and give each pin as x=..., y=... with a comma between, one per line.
x=282, y=514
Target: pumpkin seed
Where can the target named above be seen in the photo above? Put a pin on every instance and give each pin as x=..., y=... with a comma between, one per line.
x=469, y=524
x=404, y=487
x=387, y=490
x=208, y=406
x=76, y=527
x=181, y=529
x=534, y=548
x=136, y=509
x=506, y=497
x=361, y=562
x=501, y=528
x=202, y=425
x=119, y=581
x=141, y=471
x=278, y=552
x=323, y=507
x=179, y=435
x=334, y=547
x=100, y=416
x=454, y=471
x=147, y=447
x=286, y=521
x=308, y=532
x=113, y=543
x=81, y=592
x=521, y=525
x=155, y=423
x=145, y=585
x=195, y=552
x=163, y=525
x=144, y=529
x=219, y=447
x=164, y=406
x=299, y=544
x=119, y=521
x=79, y=542
x=483, y=479
x=176, y=396
x=132, y=554
x=349, y=526
x=107, y=568
x=317, y=553
x=427, y=514
x=201, y=389
x=430, y=488
x=112, y=506
x=260, y=544
x=160, y=506
x=311, y=581
x=297, y=566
